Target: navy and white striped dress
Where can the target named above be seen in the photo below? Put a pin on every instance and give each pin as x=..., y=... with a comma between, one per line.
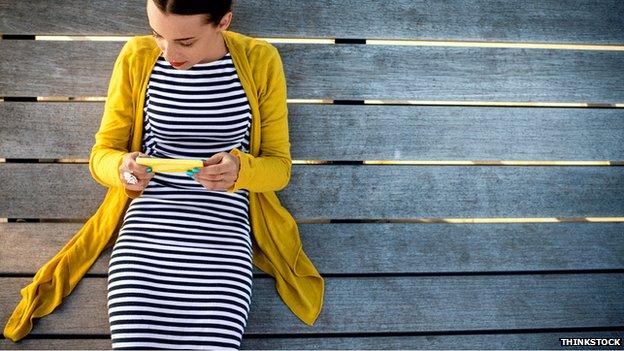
x=180, y=273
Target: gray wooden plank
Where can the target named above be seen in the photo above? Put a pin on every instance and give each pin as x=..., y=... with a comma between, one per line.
x=48, y=129
x=388, y=304
x=542, y=21
x=493, y=341
x=378, y=248
x=40, y=68
x=352, y=191
x=359, y=132
x=27, y=246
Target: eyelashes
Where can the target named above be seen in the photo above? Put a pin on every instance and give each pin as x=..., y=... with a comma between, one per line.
x=181, y=44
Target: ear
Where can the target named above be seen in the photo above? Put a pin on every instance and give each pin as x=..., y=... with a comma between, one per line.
x=225, y=21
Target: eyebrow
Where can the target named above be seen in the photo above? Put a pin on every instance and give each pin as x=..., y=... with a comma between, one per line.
x=181, y=39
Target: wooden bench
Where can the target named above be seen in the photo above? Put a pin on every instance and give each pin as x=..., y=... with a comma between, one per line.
x=495, y=220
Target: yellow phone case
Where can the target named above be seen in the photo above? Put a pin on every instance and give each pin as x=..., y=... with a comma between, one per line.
x=169, y=164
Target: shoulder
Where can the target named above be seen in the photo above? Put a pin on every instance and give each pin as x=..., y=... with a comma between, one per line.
x=138, y=47
x=257, y=50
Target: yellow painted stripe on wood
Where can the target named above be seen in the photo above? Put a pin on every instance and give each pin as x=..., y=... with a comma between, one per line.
x=385, y=102
x=497, y=220
x=468, y=162
x=103, y=99
x=410, y=42
x=310, y=101
x=498, y=44
x=300, y=40
x=82, y=37
x=492, y=103
x=489, y=163
x=126, y=38
x=71, y=98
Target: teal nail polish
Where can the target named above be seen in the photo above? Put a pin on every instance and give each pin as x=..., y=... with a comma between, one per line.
x=196, y=170
x=189, y=173
x=149, y=169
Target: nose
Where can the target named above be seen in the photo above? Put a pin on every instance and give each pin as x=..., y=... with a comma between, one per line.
x=168, y=52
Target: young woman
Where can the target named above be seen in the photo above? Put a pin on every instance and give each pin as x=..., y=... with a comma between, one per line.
x=180, y=272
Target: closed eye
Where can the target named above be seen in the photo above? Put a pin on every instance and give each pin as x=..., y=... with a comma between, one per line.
x=181, y=44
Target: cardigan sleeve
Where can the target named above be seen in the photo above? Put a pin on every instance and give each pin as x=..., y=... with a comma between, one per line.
x=113, y=137
x=270, y=170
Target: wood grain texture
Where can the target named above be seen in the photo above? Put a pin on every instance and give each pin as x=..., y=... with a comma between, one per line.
x=359, y=132
x=345, y=191
x=374, y=248
x=494, y=340
x=39, y=68
x=488, y=20
x=385, y=280
x=387, y=304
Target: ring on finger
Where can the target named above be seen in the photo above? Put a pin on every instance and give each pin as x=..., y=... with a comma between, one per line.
x=129, y=178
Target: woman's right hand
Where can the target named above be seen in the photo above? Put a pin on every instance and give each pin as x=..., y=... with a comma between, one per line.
x=143, y=174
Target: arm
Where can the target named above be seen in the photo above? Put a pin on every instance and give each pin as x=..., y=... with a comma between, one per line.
x=113, y=138
x=270, y=170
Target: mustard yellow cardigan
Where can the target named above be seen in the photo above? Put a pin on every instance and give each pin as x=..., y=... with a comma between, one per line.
x=277, y=248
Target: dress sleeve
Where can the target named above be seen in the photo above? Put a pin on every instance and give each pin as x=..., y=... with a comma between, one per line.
x=113, y=137
x=270, y=170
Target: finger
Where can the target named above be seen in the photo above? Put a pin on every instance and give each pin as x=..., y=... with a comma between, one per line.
x=137, y=169
x=223, y=185
x=134, y=187
x=219, y=185
x=212, y=177
x=134, y=155
x=128, y=178
x=147, y=176
x=214, y=159
x=217, y=169
x=143, y=174
x=207, y=182
x=144, y=183
x=140, y=185
x=131, y=186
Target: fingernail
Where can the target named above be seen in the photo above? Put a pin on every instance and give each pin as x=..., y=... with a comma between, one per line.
x=149, y=169
x=189, y=173
x=196, y=170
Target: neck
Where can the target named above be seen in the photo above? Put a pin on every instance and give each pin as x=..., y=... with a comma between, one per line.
x=222, y=50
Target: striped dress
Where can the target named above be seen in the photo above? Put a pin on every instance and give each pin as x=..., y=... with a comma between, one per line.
x=180, y=273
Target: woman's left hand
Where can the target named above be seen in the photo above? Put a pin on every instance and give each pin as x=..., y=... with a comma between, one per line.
x=219, y=172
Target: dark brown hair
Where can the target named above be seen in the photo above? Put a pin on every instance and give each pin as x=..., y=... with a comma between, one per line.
x=213, y=9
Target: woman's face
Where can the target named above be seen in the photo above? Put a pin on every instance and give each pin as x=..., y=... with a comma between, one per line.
x=186, y=38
